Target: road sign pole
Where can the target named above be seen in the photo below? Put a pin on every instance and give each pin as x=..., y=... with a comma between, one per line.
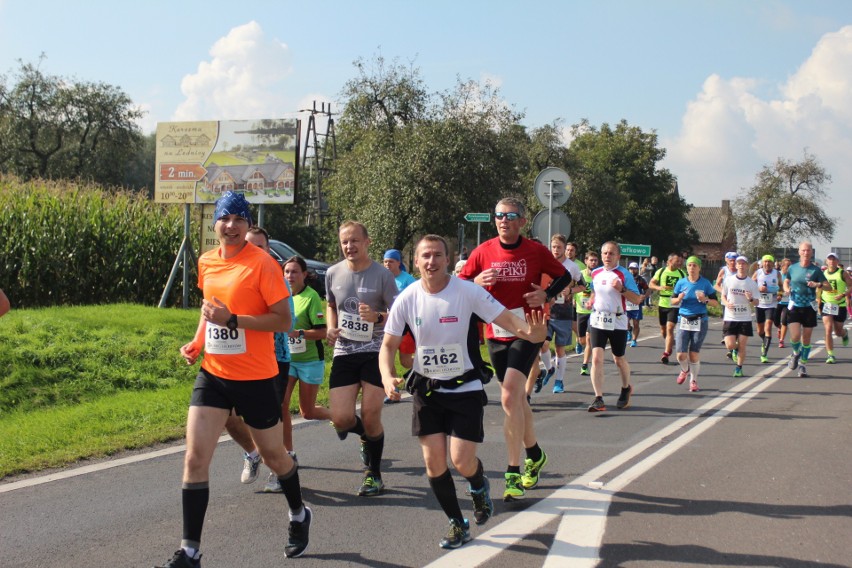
x=478, y=232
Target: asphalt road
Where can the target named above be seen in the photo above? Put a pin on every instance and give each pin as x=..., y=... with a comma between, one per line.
x=746, y=472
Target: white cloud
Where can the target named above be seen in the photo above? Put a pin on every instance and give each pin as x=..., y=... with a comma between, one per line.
x=243, y=79
x=728, y=132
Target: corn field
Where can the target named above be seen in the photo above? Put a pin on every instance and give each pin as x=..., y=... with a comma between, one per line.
x=64, y=243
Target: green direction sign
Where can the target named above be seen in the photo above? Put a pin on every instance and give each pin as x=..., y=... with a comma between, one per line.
x=635, y=250
x=477, y=217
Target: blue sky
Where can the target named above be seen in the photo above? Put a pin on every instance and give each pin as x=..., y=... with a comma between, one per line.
x=728, y=85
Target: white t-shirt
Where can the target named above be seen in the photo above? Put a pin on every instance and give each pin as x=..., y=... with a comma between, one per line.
x=608, y=300
x=734, y=289
x=441, y=325
x=768, y=299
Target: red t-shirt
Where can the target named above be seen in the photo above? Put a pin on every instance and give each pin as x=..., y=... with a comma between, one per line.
x=519, y=266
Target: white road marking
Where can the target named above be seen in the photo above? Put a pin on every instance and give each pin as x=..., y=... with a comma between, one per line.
x=583, y=509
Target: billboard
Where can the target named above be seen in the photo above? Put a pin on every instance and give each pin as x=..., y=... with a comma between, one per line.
x=198, y=161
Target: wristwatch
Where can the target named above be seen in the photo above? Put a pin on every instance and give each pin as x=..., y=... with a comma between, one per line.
x=381, y=318
x=232, y=322
x=301, y=333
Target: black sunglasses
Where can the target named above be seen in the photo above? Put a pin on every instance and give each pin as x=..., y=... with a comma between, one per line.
x=509, y=216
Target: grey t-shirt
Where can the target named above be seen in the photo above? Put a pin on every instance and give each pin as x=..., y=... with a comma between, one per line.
x=374, y=286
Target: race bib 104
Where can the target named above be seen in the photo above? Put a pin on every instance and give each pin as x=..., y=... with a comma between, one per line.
x=602, y=320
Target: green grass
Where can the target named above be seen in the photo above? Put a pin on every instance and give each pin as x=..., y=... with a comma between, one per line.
x=86, y=382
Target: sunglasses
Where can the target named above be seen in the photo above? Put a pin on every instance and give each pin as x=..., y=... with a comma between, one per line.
x=510, y=216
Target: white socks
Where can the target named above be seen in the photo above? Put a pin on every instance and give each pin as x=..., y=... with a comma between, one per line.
x=546, y=360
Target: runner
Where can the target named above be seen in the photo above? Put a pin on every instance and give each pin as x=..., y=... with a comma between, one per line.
x=241, y=310
x=612, y=286
x=559, y=325
x=359, y=293
x=511, y=267
x=739, y=293
x=571, y=250
x=768, y=282
x=663, y=281
x=393, y=261
x=691, y=295
x=802, y=281
x=781, y=312
x=446, y=383
x=729, y=269
x=305, y=345
x=5, y=306
x=237, y=429
x=634, y=311
x=834, y=304
x=584, y=309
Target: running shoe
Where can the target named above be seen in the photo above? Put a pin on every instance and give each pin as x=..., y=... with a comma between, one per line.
x=633, y=343
x=531, y=470
x=558, y=387
x=297, y=536
x=845, y=340
x=578, y=349
x=483, y=506
x=584, y=369
x=181, y=560
x=539, y=382
x=458, y=535
x=364, y=451
x=272, y=484
x=664, y=359
x=764, y=359
x=734, y=356
x=794, y=361
x=831, y=360
x=548, y=375
x=682, y=377
x=597, y=405
x=763, y=350
x=624, y=398
x=372, y=486
x=803, y=372
x=738, y=371
x=693, y=385
x=389, y=400
x=781, y=344
x=629, y=335
x=730, y=354
x=514, y=489
x=250, y=467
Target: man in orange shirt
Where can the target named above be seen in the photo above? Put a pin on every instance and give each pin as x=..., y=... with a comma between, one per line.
x=245, y=301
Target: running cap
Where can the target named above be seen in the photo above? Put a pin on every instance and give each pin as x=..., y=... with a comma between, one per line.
x=742, y=258
x=768, y=257
x=393, y=254
x=832, y=255
x=459, y=265
x=731, y=255
x=693, y=260
x=232, y=203
x=633, y=265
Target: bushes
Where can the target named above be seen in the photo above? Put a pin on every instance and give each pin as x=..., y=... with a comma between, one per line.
x=65, y=243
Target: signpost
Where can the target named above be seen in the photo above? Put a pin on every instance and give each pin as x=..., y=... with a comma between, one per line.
x=635, y=250
x=477, y=218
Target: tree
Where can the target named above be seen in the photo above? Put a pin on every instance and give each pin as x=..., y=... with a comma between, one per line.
x=411, y=162
x=784, y=206
x=619, y=192
x=53, y=127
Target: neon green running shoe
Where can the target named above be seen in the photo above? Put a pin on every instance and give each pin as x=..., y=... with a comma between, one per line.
x=514, y=488
x=831, y=360
x=531, y=470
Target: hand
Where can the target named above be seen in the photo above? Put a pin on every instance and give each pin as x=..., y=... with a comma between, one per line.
x=391, y=385
x=366, y=313
x=190, y=352
x=216, y=311
x=487, y=277
x=537, y=298
x=331, y=335
x=537, y=326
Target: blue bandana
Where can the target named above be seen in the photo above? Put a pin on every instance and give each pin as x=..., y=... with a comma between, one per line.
x=232, y=204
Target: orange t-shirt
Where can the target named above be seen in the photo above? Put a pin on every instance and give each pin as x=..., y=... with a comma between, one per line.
x=248, y=284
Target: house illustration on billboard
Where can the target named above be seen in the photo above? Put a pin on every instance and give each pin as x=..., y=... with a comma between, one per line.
x=271, y=177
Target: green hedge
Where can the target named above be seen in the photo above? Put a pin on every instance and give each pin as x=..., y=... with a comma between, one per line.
x=70, y=244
